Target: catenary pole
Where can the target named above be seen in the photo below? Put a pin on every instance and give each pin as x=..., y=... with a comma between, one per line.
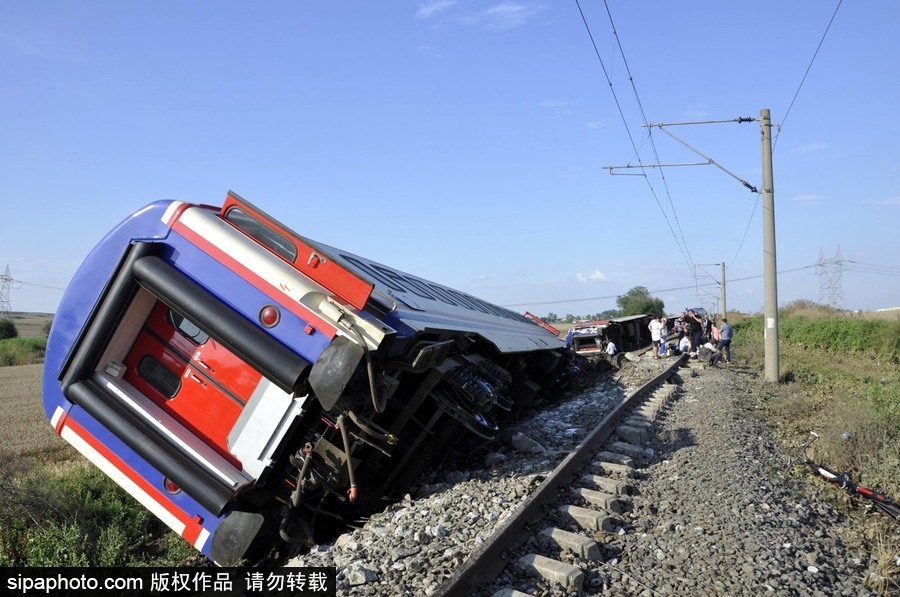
x=724, y=309
x=770, y=271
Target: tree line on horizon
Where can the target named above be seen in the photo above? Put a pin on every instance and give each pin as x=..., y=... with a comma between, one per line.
x=636, y=301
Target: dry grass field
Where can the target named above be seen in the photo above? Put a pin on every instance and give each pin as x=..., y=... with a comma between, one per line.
x=25, y=432
x=31, y=325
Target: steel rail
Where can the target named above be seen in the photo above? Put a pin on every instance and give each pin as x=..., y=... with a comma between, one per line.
x=484, y=564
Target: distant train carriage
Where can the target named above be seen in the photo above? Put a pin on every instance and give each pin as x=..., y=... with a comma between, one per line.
x=247, y=384
x=590, y=338
x=633, y=332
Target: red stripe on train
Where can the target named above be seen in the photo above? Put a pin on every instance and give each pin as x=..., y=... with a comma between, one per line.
x=192, y=526
x=256, y=281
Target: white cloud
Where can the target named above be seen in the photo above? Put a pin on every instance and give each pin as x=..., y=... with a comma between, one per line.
x=435, y=7
x=594, y=276
x=500, y=17
x=596, y=124
x=509, y=15
x=504, y=16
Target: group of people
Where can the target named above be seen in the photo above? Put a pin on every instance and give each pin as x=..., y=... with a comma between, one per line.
x=696, y=334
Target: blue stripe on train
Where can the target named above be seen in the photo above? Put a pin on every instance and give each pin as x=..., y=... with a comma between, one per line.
x=239, y=294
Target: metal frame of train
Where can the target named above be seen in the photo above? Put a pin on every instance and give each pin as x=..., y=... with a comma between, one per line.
x=249, y=385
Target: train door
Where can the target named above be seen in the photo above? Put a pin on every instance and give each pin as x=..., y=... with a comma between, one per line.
x=191, y=376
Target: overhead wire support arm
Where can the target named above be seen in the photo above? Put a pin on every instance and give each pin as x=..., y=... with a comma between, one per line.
x=706, y=157
x=611, y=168
x=738, y=119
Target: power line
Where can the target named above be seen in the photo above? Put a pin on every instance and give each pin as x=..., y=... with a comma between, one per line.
x=849, y=265
x=657, y=291
x=630, y=136
x=39, y=285
x=747, y=229
x=710, y=161
x=649, y=132
x=7, y=283
x=868, y=268
x=707, y=158
x=808, y=68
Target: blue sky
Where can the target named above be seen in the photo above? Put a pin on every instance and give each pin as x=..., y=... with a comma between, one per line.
x=465, y=141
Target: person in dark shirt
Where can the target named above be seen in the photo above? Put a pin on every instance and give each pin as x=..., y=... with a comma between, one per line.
x=696, y=328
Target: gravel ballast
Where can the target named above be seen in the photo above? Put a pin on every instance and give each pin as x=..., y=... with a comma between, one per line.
x=711, y=515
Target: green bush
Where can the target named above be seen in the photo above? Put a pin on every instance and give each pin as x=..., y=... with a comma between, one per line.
x=843, y=382
x=8, y=329
x=877, y=338
x=22, y=351
x=79, y=517
x=886, y=400
x=52, y=545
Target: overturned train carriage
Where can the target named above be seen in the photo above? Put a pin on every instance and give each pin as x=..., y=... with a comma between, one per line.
x=249, y=385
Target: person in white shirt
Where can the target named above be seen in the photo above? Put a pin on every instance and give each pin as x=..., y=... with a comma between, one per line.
x=655, y=328
x=663, y=337
x=611, y=348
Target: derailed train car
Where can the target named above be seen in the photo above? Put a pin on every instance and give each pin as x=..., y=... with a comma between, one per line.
x=249, y=385
x=589, y=339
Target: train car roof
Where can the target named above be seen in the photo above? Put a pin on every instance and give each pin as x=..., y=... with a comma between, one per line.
x=629, y=318
x=414, y=302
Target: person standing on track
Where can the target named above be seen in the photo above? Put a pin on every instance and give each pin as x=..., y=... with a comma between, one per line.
x=663, y=337
x=696, y=330
x=655, y=326
x=724, y=345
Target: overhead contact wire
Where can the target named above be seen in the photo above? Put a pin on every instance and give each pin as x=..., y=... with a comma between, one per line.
x=628, y=130
x=808, y=68
x=640, y=105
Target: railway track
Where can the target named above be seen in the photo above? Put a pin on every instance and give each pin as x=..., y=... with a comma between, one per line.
x=480, y=524
x=576, y=504
x=477, y=520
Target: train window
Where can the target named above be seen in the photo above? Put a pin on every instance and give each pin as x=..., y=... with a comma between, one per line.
x=275, y=242
x=187, y=328
x=158, y=376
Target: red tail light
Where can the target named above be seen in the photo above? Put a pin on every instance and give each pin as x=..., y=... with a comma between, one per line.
x=269, y=316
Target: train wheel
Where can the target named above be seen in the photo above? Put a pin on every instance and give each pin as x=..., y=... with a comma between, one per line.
x=477, y=422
